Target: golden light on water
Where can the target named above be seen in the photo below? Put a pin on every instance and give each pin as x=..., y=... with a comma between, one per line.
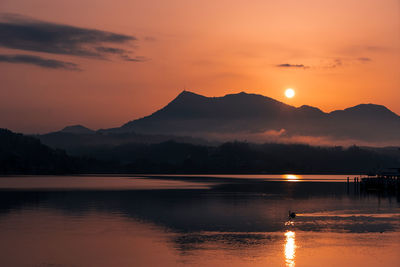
x=292, y=177
x=290, y=249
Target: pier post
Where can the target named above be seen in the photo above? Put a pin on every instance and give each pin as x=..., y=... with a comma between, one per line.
x=357, y=184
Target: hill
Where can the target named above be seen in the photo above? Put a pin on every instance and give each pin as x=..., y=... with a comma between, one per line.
x=21, y=154
x=251, y=116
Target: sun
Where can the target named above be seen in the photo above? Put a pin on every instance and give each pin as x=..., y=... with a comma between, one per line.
x=289, y=93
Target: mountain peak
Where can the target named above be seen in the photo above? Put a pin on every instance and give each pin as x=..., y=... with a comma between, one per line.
x=186, y=93
x=370, y=107
x=77, y=129
x=186, y=96
x=368, y=110
x=310, y=108
x=245, y=94
x=241, y=113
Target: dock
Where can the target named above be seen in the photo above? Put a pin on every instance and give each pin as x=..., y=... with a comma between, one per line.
x=387, y=182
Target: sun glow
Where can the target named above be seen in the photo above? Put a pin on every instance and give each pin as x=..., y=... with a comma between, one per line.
x=292, y=177
x=290, y=93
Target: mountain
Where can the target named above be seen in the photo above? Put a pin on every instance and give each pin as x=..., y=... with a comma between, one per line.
x=190, y=112
x=78, y=144
x=77, y=129
x=20, y=154
x=251, y=115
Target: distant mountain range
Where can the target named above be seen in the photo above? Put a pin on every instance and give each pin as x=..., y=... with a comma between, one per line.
x=250, y=116
x=20, y=154
x=77, y=129
x=191, y=135
x=198, y=119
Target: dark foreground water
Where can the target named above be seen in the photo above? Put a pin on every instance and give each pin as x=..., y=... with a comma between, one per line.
x=194, y=221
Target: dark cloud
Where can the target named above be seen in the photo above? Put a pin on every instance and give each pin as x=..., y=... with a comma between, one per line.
x=22, y=33
x=287, y=65
x=38, y=61
x=134, y=59
x=111, y=50
x=121, y=52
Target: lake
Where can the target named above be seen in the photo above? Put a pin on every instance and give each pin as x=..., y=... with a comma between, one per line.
x=195, y=220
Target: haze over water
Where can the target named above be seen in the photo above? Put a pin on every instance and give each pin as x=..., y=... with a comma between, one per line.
x=194, y=221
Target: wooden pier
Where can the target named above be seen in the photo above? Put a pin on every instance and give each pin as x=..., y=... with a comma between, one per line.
x=384, y=182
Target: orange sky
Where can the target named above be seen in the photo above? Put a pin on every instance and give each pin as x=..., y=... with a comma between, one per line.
x=350, y=50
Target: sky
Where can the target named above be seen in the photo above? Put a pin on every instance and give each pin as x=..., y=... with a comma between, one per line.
x=103, y=63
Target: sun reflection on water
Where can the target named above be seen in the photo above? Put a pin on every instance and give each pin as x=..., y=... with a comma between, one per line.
x=290, y=249
x=292, y=177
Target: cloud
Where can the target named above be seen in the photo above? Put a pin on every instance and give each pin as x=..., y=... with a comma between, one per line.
x=39, y=61
x=122, y=53
x=331, y=63
x=364, y=59
x=111, y=50
x=287, y=65
x=338, y=62
x=363, y=49
x=23, y=33
x=134, y=59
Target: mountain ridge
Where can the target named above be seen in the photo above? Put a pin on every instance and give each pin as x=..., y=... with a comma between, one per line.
x=244, y=116
x=191, y=113
x=77, y=129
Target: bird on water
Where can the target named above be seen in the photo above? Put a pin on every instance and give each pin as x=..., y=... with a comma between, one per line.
x=292, y=215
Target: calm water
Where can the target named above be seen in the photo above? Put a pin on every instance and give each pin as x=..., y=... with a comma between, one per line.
x=277, y=177
x=194, y=221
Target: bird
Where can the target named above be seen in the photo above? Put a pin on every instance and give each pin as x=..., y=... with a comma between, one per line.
x=292, y=215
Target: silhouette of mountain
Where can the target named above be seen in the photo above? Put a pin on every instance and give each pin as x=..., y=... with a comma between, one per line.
x=189, y=113
x=76, y=143
x=77, y=129
x=197, y=115
x=20, y=154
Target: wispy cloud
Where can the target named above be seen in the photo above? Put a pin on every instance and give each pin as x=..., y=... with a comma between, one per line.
x=287, y=65
x=134, y=59
x=364, y=59
x=338, y=62
x=343, y=62
x=331, y=63
x=23, y=33
x=39, y=61
x=362, y=49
